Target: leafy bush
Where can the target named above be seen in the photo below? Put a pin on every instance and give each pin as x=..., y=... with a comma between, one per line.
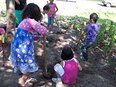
x=106, y=38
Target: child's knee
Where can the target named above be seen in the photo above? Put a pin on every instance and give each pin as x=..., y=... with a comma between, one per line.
x=59, y=69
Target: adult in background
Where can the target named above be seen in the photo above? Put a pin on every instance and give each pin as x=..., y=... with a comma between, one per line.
x=19, y=6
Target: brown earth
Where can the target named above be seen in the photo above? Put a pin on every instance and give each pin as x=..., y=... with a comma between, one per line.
x=94, y=73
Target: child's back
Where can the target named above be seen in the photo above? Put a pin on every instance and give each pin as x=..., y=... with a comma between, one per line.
x=71, y=71
x=91, y=32
x=68, y=69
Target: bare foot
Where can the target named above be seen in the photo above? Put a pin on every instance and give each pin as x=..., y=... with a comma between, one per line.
x=21, y=81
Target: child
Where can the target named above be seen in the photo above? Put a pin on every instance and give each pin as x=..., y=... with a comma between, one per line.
x=51, y=13
x=68, y=69
x=19, y=6
x=22, y=46
x=46, y=9
x=91, y=32
x=2, y=37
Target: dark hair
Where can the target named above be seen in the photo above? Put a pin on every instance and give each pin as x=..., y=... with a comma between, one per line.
x=32, y=11
x=46, y=7
x=67, y=53
x=94, y=16
x=21, y=5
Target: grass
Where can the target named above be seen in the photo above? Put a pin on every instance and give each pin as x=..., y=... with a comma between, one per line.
x=102, y=14
x=83, y=13
x=94, y=0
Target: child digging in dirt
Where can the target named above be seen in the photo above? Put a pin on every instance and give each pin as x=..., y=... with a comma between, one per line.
x=91, y=33
x=67, y=71
x=51, y=13
x=22, y=46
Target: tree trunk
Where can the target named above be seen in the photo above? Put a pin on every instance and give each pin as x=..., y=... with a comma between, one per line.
x=10, y=6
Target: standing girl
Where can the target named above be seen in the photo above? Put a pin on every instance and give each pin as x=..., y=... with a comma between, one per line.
x=22, y=47
x=51, y=13
x=68, y=69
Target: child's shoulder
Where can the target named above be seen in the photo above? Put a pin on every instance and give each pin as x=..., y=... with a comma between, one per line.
x=29, y=19
x=54, y=4
x=94, y=24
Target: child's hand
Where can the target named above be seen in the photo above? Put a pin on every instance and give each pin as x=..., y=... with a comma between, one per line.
x=79, y=66
x=53, y=15
x=17, y=1
x=43, y=12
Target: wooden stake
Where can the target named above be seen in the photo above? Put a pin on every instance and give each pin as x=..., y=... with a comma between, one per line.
x=10, y=16
x=44, y=54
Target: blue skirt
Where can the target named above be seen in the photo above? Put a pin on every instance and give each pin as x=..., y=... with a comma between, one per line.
x=22, y=52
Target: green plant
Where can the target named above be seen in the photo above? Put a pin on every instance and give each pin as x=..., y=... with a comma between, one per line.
x=106, y=38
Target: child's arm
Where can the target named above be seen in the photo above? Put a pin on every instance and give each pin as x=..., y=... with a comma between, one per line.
x=61, y=63
x=56, y=9
x=17, y=1
x=80, y=68
x=38, y=27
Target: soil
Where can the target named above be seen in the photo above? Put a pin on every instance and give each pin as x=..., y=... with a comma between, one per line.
x=94, y=74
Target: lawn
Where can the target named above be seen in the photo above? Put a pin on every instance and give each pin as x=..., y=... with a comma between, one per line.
x=102, y=11
x=102, y=15
x=94, y=0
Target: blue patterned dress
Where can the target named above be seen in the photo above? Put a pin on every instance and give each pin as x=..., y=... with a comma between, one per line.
x=22, y=52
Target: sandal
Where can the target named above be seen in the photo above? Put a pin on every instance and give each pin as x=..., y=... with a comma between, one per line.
x=21, y=82
x=29, y=82
x=32, y=80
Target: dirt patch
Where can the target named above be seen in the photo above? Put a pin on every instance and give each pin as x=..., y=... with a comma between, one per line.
x=92, y=75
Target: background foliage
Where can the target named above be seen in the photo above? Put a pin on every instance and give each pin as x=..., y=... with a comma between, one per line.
x=106, y=38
